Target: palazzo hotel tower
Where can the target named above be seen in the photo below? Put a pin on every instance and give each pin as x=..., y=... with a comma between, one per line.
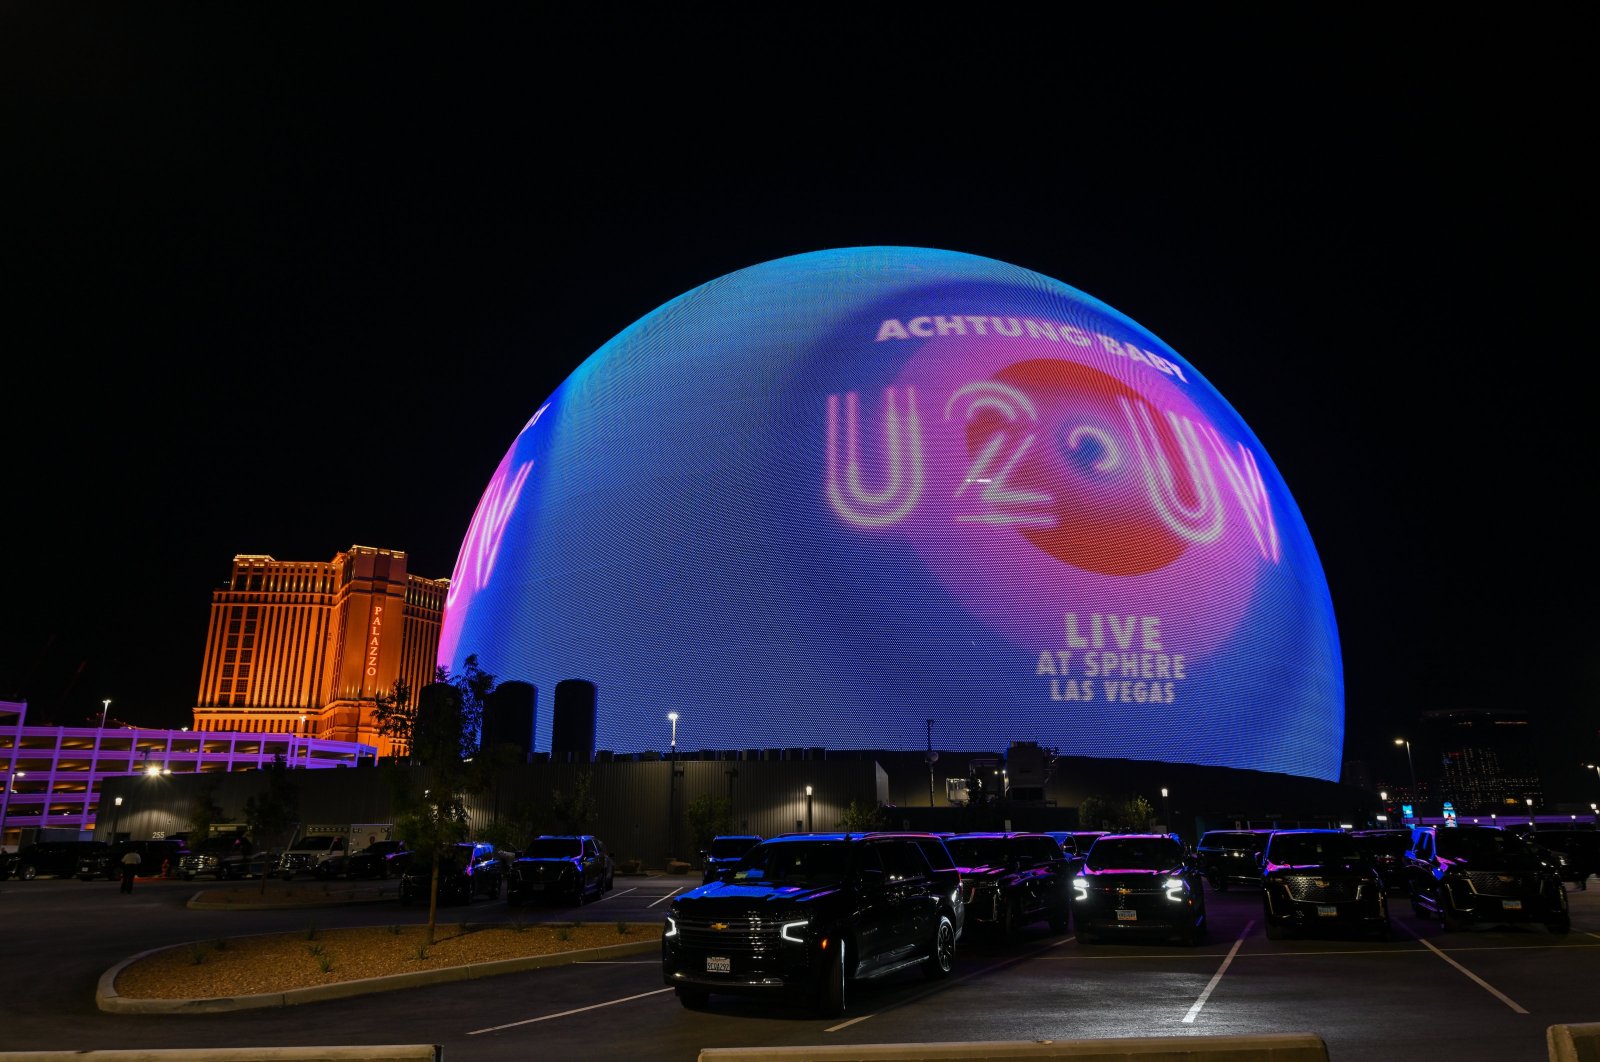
x=306, y=647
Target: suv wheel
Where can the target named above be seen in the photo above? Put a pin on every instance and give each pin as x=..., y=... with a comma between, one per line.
x=692, y=998
x=830, y=994
x=1010, y=921
x=942, y=959
x=1220, y=883
x=27, y=872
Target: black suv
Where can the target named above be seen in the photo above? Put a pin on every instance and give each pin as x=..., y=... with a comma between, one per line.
x=724, y=853
x=155, y=857
x=1139, y=884
x=1386, y=851
x=224, y=857
x=466, y=871
x=1466, y=874
x=1231, y=857
x=1313, y=879
x=1012, y=879
x=1581, y=847
x=805, y=915
x=57, y=858
x=380, y=859
x=560, y=867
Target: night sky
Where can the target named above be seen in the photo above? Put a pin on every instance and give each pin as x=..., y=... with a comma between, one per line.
x=287, y=279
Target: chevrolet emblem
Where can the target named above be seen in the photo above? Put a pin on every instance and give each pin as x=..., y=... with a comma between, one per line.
x=719, y=926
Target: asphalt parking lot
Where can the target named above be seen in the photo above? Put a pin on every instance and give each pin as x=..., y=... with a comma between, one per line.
x=1483, y=995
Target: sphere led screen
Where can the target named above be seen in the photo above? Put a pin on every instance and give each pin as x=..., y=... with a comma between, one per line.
x=826, y=499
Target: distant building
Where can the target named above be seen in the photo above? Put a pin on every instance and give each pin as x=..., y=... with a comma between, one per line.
x=1486, y=760
x=306, y=647
x=52, y=775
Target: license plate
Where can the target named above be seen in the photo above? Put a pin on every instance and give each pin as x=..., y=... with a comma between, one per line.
x=718, y=964
x=1511, y=905
x=1127, y=916
x=1327, y=911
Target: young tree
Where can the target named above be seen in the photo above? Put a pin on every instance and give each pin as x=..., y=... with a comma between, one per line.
x=862, y=818
x=574, y=812
x=706, y=817
x=203, y=811
x=271, y=814
x=441, y=727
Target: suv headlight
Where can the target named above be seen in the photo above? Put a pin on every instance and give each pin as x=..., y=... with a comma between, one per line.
x=1177, y=888
x=672, y=927
x=1080, y=888
x=794, y=932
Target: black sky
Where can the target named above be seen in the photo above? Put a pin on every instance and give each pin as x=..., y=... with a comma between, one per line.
x=281, y=279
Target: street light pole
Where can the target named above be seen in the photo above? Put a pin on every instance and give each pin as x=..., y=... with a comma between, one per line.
x=809, y=826
x=1166, y=813
x=1410, y=766
x=5, y=798
x=105, y=710
x=672, y=790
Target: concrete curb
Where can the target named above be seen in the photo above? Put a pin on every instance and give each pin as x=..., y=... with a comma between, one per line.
x=1269, y=1047
x=370, y=1053
x=107, y=999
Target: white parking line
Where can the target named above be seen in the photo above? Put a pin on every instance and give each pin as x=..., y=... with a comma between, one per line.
x=668, y=896
x=1188, y=1019
x=569, y=1013
x=1480, y=982
x=614, y=895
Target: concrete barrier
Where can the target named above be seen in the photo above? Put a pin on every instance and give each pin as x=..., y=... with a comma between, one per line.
x=373, y=1053
x=1573, y=1043
x=1276, y=1047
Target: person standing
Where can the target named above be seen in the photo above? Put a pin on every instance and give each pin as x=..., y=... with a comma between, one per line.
x=130, y=866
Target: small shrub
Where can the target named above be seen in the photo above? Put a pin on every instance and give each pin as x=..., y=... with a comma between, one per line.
x=324, y=963
x=563, y=933
x=622, y=928
x=395, y=929
x=315, y=949
x=422, y=951
x=519, y=926
x=311, y=932
x=197, y=955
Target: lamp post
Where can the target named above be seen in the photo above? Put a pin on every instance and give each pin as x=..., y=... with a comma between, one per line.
x=5, y=799
x=809, y=826
x=672, y=790
x=116, y=818
x=105, y=710
x=1410, y=766
x=1166, y=814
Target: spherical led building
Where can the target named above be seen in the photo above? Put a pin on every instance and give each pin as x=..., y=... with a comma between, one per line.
x=826, y=499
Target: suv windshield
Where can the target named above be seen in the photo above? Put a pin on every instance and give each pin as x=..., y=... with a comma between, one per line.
x=1307, y=848
x=1134, y=853
x=1231, y=839
x=978, y=851
x=728, y=847
x=1389, y=844
x=555, y=848
x=1494, y=848
x=794, y=863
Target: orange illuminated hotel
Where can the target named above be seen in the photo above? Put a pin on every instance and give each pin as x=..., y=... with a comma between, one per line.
x=305, y=647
